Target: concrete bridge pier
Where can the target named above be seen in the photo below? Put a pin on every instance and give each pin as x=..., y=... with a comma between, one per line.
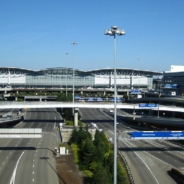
x=76, y=111
x=173, y=114
x=150, y=112
x=4, y=125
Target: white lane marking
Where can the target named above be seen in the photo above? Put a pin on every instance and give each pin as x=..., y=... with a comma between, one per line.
x=33, y=165
x=3, y=163
x=54, y=124
x=144, y=163
x=6, y=144
x=12, y=181
x=154, y=157
x=165, y=148
x=111, y=132
x=33, y=180
x=33, y=172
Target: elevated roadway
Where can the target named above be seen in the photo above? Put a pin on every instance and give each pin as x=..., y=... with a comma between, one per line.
x=14, y=105
x=168, y=100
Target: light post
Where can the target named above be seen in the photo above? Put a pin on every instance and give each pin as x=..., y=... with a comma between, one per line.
x=66, y=71
x=73, y=43
x=112, y=32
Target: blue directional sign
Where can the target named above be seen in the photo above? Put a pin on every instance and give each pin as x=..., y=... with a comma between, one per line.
x=170, y=85
x=147, y=105
x=135, y=91
x=90, y=99
x=148, y=135
x=117, y=99
x=77, y=96
x=99, y=99
x=152, y=105
x=174, y=134
x=158, y=135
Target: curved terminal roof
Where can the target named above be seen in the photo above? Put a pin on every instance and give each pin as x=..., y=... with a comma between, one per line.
x=105, y=71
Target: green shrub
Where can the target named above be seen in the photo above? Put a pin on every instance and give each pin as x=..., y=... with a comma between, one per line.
x=75, y=150
x=88, y=173
x=70, y=123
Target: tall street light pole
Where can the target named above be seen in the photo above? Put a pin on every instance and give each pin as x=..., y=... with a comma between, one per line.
x=66, y=71
x=73, y=43
x=113, y=32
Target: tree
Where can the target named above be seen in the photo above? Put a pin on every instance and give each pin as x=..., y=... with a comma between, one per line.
x=86, y=154
x=74, y=138
x=101, y=176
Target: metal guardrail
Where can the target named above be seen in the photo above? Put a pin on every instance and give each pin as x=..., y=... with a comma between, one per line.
x=127, y=168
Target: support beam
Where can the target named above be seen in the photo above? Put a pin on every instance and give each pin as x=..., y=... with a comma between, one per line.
x=76, y=110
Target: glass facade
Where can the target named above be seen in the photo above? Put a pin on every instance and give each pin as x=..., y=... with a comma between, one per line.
x=59, y=77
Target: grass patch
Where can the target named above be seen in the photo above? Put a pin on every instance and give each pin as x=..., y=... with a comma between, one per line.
x=75, y=150
x=122, y=173
x=71, y=123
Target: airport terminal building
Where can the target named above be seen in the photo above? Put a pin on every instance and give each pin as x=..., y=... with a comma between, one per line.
x=62, y=77
x=173, y=80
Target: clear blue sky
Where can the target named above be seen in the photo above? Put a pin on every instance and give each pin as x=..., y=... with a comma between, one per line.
x=36, y=34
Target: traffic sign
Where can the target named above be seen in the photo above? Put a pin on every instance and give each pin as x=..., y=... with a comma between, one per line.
x=175, y=134
x=135, y=91
x=147, y=105
x=158, y=135
x=148, y=135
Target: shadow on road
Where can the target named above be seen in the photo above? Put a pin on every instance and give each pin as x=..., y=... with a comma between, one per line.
x=46, y=159
x=43, y=121
x=17, y=148
x=151, y=149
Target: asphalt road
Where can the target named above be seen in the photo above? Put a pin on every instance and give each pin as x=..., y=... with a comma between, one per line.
x=148, y=161
x=31, y=160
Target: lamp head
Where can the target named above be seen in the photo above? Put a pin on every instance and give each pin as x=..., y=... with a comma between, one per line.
x=114, y=27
